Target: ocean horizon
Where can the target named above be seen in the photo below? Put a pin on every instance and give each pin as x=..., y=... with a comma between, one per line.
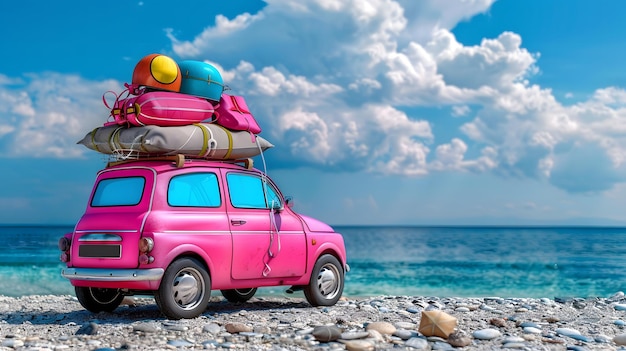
x=444, y=261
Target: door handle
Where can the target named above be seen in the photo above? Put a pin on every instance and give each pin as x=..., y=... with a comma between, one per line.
x=237, y=222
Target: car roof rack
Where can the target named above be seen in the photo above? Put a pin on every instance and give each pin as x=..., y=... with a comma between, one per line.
x=179, y=160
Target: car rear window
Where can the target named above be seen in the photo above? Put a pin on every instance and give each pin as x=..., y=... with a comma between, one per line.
x=125, y=191
x=194, y=190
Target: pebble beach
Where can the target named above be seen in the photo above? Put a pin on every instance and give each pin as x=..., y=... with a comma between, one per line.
x=53, y=322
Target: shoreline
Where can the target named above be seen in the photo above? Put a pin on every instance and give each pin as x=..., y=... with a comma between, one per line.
x=58, y=322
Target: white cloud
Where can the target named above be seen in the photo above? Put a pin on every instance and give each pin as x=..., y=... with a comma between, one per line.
x=459, y=111
x=329, y=80
x=47, y=113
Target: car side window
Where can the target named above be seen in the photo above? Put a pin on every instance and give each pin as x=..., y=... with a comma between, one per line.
x=248, y=191
x=194, y=190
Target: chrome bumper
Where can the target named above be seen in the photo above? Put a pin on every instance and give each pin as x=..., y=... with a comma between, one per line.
x=113, y=275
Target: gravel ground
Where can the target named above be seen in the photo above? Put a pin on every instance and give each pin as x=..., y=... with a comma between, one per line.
x=49, y=322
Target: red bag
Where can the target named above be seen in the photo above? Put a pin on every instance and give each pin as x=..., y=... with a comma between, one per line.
x=232, y=112
x=160, y=108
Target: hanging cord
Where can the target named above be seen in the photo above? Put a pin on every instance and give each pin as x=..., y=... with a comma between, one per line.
x=273, y=227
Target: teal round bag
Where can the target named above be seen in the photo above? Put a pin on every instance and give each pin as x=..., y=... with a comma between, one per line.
x=201, y=79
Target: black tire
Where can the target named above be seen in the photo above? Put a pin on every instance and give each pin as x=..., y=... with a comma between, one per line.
x=238, y=295
x=99, y=299
x=326, y=284
x=185, y=289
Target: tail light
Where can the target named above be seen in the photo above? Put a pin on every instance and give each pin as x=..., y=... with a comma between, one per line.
x=145, y=246
x=64, y=245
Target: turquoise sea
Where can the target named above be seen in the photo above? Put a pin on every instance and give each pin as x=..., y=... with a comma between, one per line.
x=417, y=261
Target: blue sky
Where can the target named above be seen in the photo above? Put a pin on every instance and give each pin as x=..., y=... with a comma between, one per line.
x=382, y=112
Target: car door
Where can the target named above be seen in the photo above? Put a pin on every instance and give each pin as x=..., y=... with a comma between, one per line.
x=268, y=238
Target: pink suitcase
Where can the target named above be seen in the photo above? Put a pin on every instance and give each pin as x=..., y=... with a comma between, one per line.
x=233, y=113
x=161, y=108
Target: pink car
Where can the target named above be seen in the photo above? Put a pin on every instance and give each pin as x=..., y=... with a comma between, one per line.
x=179, y=229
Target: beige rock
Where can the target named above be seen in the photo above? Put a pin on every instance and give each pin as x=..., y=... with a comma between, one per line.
x=620, y=339
x=381, y=327
x=437, y=323
x=359, y=345
x=235, y=328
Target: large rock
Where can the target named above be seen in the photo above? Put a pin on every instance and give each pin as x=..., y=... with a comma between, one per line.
x=326, y=333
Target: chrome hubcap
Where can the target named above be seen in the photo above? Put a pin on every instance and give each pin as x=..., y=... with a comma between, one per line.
x=188, y=288
x=328, y=281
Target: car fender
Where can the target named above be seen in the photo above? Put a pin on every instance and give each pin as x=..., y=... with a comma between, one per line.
x=327, y=248
x=190, y=250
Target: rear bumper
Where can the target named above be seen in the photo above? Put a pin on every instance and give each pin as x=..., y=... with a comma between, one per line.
x=113, y=275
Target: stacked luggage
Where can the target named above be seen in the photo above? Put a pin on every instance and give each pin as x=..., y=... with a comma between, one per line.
x=175, y=108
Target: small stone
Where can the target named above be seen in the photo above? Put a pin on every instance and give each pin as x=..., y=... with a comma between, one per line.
x=512, y=339
x=553, y=341
x=619, y=323
x=529, y=324
x=417, y=343
x=145, y=328
x=567, y=331
x=404, y=334
x=532, y=330
x=486, y=334
x=602, y=339
x=173, y=326
x=459, y=339
x=12, y=343
x=413, y=310
x=498, y=322
x=88, y=329
x=441, y=346
x=359, y=345
x=381, y=327
x=486, y=308
x=235, y=328
x=179, y=343
x=572, y=333
x=354, y=335
x=211, y=328
x=563, y=299
x=326, y=333
x=462, y=309
x=620, y=339
x=552, y=320
x=620, y=307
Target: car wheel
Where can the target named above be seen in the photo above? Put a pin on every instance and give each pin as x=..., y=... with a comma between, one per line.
x=99, y=299
x=238, y=295
x=326, y=284
x=185, y=289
